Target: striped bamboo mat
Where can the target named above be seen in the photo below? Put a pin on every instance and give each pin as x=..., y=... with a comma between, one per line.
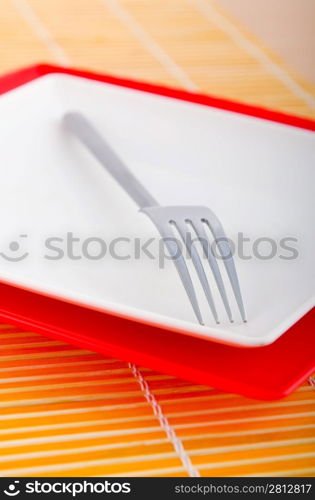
x=70, y=412
x=185, y=43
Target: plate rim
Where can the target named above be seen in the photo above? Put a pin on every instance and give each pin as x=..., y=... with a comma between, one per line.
x=22, y=76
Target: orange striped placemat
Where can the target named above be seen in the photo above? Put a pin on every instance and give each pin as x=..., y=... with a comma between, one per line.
x=70, y=412
x=183, y=43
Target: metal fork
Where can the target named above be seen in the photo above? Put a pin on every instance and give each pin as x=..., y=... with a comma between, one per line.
x=169, y=220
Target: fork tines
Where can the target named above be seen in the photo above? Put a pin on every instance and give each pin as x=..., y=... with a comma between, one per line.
x=188, y=225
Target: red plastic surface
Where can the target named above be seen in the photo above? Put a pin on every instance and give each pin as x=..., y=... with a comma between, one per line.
x=268, y=372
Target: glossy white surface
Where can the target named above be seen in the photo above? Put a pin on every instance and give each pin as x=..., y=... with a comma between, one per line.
x=257, y=176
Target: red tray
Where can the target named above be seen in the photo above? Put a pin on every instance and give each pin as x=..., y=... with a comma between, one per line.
x=268, y=372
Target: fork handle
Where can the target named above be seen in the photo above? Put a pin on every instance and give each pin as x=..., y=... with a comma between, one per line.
x=91, y=138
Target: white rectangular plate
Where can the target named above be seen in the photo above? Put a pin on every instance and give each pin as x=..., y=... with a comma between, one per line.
x=257, y=176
